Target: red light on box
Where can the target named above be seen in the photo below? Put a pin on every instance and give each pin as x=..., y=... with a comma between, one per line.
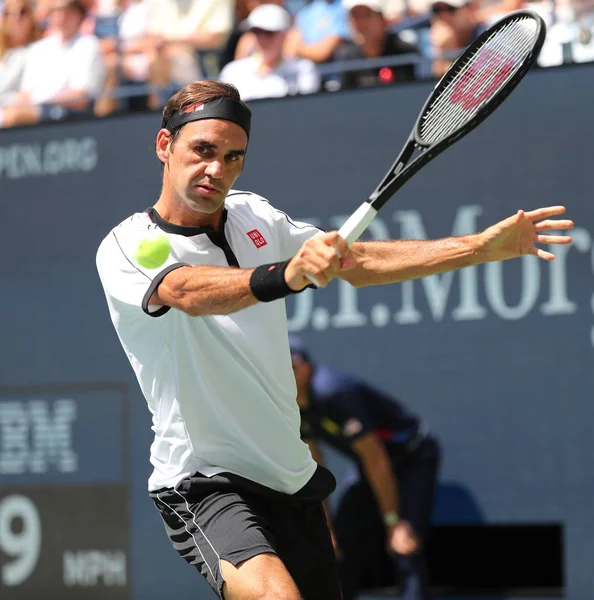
x=386, y=75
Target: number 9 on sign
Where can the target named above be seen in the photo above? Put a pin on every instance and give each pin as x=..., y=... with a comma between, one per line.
x=20, y=538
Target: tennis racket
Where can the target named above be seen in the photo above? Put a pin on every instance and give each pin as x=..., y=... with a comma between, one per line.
x=480, y=79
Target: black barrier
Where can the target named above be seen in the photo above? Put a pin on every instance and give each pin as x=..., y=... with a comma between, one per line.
x=497, y=359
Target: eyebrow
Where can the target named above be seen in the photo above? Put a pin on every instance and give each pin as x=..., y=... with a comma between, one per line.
x=211, y=146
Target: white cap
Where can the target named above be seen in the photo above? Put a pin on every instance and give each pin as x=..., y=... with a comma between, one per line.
x=269, y=17
x=375, y=5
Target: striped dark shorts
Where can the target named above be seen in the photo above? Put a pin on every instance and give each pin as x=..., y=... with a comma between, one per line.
x=231, y=518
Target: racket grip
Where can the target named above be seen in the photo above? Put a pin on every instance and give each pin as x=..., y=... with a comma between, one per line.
x=357, y=223
x=353, y=227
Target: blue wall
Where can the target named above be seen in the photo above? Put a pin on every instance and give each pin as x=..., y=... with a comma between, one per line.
x=497, y=359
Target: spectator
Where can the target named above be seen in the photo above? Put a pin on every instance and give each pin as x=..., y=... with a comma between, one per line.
x=244, y=42
x=181, y=29
x=63, y=72
x=17, y=31
x=241, y=13
x=265, y=74
x=396, y=11
x=454, y=25
x=389, y=504
x=372, y=39
x=489, y=11
x=320, y=28
x=127, y=55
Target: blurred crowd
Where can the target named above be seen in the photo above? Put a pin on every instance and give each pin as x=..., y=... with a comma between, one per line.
x=63, y=58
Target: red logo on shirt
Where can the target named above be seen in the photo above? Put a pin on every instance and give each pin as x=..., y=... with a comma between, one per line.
x=257, y=238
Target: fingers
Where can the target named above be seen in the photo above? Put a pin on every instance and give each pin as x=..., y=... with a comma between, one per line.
x=544, y=254
x=548, y=225
x=544, y=213
x=321, y=259
x=553, y=239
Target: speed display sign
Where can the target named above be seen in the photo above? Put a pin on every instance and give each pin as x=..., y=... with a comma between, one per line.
x=64, y=495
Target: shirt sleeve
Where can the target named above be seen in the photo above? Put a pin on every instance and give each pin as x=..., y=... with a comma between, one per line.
x=126, y=283
x=11, y=74
x=341, y=25
x=292, y=234
x=29, y=76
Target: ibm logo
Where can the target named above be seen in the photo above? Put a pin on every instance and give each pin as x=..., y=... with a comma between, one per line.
x=36, y=436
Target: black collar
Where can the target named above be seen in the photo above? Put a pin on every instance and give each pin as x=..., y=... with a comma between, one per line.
x=216, y=237
x=184, y=230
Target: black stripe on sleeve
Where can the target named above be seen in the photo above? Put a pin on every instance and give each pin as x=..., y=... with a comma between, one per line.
x=154, y=285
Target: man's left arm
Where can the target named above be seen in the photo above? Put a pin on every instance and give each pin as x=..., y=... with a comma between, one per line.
x=395, y=261
x=379, y=472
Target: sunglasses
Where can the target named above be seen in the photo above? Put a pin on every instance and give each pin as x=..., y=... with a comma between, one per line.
x=443, y=8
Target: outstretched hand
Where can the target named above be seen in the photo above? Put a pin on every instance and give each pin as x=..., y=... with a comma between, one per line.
x=516, y=235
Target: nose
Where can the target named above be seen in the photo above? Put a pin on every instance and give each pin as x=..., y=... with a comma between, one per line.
x=214, y=169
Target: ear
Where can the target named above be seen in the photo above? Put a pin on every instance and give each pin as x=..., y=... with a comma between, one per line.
x=163, y=145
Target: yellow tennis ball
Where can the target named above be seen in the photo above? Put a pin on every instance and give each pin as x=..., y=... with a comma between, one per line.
x=153, y=250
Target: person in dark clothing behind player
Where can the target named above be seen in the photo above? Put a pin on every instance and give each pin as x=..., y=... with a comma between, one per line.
x=372, y=39
x=387, y=511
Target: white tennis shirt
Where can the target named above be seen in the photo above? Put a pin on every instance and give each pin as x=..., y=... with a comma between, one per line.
x=220, y=388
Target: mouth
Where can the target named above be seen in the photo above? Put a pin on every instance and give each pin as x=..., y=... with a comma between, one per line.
x=206, y=189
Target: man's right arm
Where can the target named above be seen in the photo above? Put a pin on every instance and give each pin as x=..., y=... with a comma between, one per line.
x=205, y=290
x=209, y=290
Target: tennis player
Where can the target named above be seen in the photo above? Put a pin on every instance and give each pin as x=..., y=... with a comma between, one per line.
x=206, y=335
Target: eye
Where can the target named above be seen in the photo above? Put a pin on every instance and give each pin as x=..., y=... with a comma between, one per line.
x=233, y=157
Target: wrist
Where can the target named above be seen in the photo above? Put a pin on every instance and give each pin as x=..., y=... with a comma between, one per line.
x=477, y=248
x=391, y=518
x=267, y=282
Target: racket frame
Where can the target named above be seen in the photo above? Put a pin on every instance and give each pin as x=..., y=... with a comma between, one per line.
x=400, y=173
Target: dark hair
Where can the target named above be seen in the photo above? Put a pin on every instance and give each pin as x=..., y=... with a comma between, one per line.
x=197, y=91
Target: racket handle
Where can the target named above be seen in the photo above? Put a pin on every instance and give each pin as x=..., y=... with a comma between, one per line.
x=357, y=223
x=353, y=227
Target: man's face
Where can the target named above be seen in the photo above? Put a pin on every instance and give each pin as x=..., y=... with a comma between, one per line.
x=367, y=23
x=204, y=162
x=451, y=15
x=65, y=19
x=270, y=43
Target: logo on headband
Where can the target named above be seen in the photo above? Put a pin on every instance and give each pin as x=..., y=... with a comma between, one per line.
x=194, y=107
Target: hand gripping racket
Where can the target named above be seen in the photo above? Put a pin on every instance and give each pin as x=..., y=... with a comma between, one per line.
x=480, y=79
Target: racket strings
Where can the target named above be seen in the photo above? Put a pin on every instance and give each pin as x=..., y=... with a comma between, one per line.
x=498, y=41
x=486, y=77
x=437, y=120
x=509, y=45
